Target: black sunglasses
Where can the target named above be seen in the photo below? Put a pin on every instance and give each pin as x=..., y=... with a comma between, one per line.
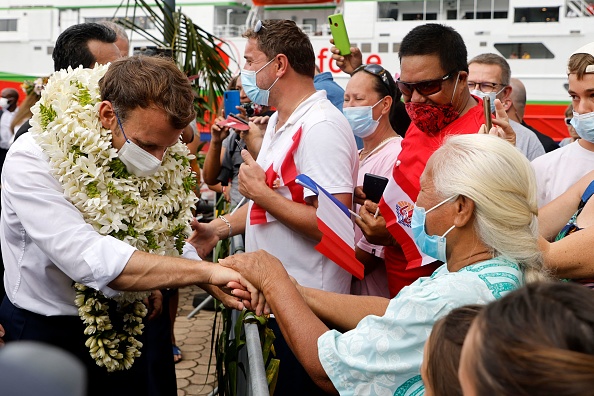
x=567, y=121
x=425, y=88
x=378, y=71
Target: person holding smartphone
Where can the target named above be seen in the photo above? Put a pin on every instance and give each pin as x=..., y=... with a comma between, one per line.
x=221, y=165
x=369, y=99
x=433, y=81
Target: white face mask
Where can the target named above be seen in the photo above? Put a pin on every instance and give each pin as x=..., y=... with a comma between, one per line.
x=491, y=95
x=137, y=161
x=4, y=103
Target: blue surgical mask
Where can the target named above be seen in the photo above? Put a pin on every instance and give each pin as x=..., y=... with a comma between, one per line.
x=491, y=95
x=251, y=89
x=584, y=125
x=432, y=245
x=361, y=119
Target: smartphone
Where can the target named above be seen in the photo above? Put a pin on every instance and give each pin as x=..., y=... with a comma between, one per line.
x=231, y=101
x=487, y=110
x=374, y=186
x=339, y=34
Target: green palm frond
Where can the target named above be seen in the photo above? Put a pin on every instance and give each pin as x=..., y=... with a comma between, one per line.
x=197, y=52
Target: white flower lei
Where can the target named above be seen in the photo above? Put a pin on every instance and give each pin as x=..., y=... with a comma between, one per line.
x=150, y=213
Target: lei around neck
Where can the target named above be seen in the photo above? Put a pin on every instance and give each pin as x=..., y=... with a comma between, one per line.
x=150, y=213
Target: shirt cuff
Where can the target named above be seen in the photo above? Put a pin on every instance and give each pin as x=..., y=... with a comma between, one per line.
x=190, y=252
x=106, y=259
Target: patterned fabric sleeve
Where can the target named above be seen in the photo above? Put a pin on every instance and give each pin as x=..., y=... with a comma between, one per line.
x=383, y=354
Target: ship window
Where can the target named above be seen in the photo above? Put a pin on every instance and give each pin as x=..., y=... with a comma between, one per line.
x=8, y=25
x=49, y=49
x=387, y=9
x=140, y=21
x=485, y=15
x=395, y=47
x=37, y=48
x=366, y=47
x=536, y=14
x=524, y=51
x=383, y=47
x=430, y=16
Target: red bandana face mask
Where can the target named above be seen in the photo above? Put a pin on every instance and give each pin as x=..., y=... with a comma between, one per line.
x=431, y=118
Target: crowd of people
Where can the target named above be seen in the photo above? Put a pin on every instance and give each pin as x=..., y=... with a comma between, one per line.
x=470, y=240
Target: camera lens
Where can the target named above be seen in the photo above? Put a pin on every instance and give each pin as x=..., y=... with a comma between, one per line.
x=249, y=109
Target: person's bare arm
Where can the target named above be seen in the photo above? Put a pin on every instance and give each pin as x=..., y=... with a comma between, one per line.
x=570, y=257
x=298, y=217
x=555, y=215
x=342, y=311
x=347, y=63
x=215, y=153
x=299, y=325
x=206, y=235
x=146, y=271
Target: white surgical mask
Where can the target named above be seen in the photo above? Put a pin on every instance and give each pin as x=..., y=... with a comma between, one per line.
x=138, y=161
x=4, y=103
x=491, y=95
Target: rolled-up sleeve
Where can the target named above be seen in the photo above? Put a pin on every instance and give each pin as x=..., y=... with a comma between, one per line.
x=46, y=225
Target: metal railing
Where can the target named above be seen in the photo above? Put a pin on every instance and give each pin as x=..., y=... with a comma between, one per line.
x=256, y=382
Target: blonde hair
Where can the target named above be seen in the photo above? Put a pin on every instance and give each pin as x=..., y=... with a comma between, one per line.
x=501, y=183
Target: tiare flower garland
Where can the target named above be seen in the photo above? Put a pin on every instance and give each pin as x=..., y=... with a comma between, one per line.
x=150, y=213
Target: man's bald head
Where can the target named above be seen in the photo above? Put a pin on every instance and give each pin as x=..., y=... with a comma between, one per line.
x=518, y=96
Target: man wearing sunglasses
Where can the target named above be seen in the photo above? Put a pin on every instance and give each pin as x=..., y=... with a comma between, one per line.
x=433, y=82
x=489, y=75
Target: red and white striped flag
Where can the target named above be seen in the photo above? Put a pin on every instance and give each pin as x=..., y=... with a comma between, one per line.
x=397, y=206
x=338, y=233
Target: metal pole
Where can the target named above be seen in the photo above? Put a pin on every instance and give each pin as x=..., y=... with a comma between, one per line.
x=169, y=8
x=207, y=300
x=256, y=361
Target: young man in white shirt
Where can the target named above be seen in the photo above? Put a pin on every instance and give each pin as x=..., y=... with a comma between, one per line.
x=560, y=169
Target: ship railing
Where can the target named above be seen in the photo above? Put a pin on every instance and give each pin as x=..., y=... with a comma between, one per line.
x=579, y=8
x=229, y=30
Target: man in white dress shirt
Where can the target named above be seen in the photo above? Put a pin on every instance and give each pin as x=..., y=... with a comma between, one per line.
x=48, y=245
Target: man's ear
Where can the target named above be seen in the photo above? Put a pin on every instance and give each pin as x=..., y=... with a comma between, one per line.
x=106, y=114
x=283, y=64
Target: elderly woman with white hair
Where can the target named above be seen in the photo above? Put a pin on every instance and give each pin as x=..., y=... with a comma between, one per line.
x=476, y=212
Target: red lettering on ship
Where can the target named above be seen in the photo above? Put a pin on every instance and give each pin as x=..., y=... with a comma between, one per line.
x=326, y=63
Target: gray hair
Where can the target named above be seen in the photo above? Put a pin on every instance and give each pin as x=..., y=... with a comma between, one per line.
x=497, y=60
x=117, y=28
x=501, y=183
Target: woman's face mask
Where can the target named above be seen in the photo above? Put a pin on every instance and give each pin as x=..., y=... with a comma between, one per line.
x=138, y=161
x=361, y=119
x=432, y=245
